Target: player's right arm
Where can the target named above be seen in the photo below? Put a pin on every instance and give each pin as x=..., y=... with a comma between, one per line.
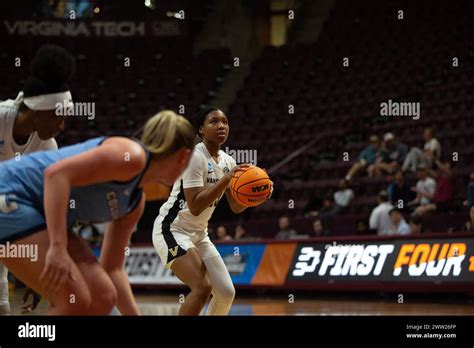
x=103, y=163
x=197, y=197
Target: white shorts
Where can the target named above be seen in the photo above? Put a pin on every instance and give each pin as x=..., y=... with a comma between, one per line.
x=173, y=243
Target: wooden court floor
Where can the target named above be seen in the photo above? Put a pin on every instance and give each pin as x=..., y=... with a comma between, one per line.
x=167, y=303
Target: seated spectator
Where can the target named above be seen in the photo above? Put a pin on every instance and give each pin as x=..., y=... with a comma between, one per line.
x=432, y=147
x=399, y=192
x=399, y=225
x=469, y=225
x=343, y=196
x=428, y=157
x=285, y=231
x=336, y=203
x=366, y=157
x=318, y=229
x=415, y=225
x=390, y=179
x=240, y=233
x=444, y=194
x=329, y=208
x=425, y=188
x=391, y=156
x=222, y=233
x=379, y=218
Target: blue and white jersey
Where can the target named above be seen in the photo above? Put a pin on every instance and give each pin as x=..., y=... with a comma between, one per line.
x=23, y=184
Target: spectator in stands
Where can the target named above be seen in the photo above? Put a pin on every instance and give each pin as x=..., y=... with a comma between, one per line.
x=415, y=225
x=329, y=207
x=222, y=233
x=391, y=157
x=444, y=194
x=425, y=188
x=366, y=157
x=343, y=196
x=399, y=192
x=428, y=157
x=332, y=205
x=390, y=179
x=379, y=218
x=240, y=233
x=469, y=225
x=399, y=225
x=318, y=229
x=285, y=231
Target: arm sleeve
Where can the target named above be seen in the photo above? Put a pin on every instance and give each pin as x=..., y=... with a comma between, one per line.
x=193, y=175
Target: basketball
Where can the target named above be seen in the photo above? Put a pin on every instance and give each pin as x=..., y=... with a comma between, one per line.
x=250, y=187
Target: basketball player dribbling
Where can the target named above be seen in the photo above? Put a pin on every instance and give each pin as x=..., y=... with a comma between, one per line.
x=180, y=231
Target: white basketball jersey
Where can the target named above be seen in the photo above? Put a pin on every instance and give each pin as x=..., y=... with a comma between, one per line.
x=8, y=148
x=203, y=171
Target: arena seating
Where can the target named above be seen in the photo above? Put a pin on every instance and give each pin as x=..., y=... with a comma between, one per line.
x=340, y=106
x=162, y=74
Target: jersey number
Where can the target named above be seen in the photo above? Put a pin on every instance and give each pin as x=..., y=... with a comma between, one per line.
x=7, y=207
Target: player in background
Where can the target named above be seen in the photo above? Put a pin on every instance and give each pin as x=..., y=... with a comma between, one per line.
x=29, y=123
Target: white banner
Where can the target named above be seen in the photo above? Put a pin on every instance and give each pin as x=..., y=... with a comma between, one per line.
x=144, y=267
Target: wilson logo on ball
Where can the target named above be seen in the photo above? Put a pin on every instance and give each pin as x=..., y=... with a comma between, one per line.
x=260, y=188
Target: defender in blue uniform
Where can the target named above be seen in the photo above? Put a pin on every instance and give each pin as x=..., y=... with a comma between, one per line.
x=44, y=194
x=21, y=192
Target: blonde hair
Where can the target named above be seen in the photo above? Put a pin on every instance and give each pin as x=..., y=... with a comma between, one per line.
x=166, y=133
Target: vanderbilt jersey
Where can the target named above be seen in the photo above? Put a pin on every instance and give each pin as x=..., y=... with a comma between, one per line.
x=203, y=171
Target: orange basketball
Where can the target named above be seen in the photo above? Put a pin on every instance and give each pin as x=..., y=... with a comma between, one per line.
x=250, y=187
